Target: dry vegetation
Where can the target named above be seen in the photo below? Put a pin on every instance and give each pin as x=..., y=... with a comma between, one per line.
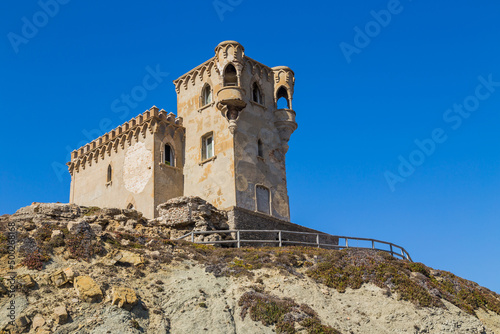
x=336, y=269
x=284, y=313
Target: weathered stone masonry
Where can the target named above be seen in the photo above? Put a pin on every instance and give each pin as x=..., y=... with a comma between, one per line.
x=227, y=144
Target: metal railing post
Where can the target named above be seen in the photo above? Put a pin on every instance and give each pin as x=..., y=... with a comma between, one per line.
x=399, y=251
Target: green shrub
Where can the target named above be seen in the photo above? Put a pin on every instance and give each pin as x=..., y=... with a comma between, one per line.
x=419, y=268
x=282, y=313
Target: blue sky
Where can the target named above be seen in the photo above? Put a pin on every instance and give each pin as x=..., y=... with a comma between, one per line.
x=372, y=79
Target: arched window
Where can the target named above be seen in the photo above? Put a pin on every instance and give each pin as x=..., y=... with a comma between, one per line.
x=230, y=77
x=130, y=206
x=263, y=199
x=206, y=95
x=260, y=151
x=168, y=155
x=283, y=101
x=109, y=175
x=256, y=94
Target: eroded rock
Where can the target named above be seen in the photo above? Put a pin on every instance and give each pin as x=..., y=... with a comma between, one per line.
x=123, y=297
x=61, y=277
x=87, y=289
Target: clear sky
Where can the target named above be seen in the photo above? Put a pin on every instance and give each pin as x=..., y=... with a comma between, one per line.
x=398, y=106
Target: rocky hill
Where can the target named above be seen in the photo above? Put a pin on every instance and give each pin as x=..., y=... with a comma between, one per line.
x=91, y=270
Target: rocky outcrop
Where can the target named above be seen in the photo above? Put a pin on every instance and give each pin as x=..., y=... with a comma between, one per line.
x=178, y=216
x=136, y=280
x=184, y=214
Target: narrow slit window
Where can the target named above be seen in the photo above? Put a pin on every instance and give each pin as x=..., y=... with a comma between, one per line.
x=260, y=150
x=263, y=199
x=207, y=146
x=169, y=155
x=109, y=175
x=130, y=206
x=256, y=94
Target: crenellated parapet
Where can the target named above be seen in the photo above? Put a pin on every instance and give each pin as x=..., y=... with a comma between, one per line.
x=228, y=52
x=259, y=69
x=207, y=68
x=121, y=137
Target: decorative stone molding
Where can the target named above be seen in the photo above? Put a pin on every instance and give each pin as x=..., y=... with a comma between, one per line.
x=196, y=73
x=116, y=139
x=286, y=125
x=284, y=76
x=230, y=101
x=260, y=69
x=225, y=52
x=229, y=48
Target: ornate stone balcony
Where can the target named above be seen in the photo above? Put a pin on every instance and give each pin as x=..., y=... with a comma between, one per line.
x=230, y=102
x=231, y=96
x=286, y=125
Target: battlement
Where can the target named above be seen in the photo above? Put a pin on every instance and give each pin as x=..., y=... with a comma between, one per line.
x=117, y=138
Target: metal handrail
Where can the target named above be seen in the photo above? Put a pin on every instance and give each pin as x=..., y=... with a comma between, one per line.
x=396, y=253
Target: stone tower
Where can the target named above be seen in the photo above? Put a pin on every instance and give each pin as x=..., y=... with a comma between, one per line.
x=236, y=138
x=227, y=145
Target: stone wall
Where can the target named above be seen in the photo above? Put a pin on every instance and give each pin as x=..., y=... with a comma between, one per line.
x=257, y=122
x=211, y=179
x=139, y=176
x=242, y=219
x=132, y=180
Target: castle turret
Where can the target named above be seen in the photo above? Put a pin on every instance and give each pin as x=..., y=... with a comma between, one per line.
x=284, y=117
x=236, y=137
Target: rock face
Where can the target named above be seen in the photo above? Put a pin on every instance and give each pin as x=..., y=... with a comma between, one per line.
x=156, y=285
x=178, y=216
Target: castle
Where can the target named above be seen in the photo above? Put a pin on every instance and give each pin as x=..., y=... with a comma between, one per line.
x=227, y=144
